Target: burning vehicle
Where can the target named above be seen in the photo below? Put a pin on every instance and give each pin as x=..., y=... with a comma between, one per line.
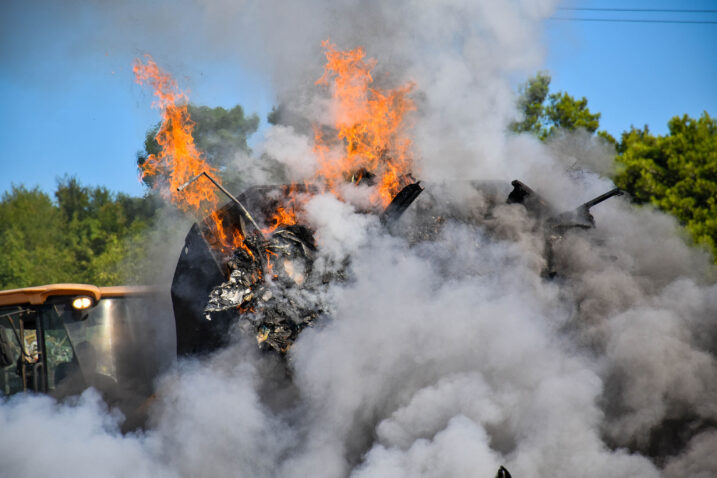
x=249, y=264
x=252, y=256
x=250, y=261
x=252, y=266
x=243, y=269
x=364, y=301
x=265, y=284
x=266, y=280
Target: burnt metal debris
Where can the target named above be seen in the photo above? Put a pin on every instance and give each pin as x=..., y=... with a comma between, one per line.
x=580, y=217
x=242, y=208
x=205, y=263
x=400, y=203
x=536, y=205
x=503, y=473
x=556, y=225
x=267, y=287
x=270, y=290
x=270, y=287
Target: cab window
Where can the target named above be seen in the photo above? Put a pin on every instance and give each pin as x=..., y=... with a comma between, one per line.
x=21, y=367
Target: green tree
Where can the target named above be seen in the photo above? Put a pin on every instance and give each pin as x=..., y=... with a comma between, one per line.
x=32, y=233
x=218, y=133
x=99, y=227
x=86, y=236
x=676, y=172
x=531, y=103
x=545, y=114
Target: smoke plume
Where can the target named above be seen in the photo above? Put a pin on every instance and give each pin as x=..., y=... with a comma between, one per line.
x=443, y=357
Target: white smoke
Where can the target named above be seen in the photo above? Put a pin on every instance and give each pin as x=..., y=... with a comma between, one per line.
x=80, y=439
x=449, y=357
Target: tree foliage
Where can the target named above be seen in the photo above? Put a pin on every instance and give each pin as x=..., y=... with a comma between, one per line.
x=89, y=234
x=85, y=236
x=544, y=114
x=32, y=235
x=676, y=172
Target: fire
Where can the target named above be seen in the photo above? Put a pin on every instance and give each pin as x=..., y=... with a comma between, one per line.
x=370, y=132
x=283, y=217
x=370, y=124
x=179, y=159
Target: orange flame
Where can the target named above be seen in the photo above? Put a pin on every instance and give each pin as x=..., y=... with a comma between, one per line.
x=370, y=123
x=179, y=159
x=282, y=217
x=285, y=215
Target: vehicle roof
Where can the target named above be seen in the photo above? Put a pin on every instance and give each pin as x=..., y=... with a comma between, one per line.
x=39, y=294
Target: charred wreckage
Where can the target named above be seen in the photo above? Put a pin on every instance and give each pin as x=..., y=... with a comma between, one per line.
x=265, y=284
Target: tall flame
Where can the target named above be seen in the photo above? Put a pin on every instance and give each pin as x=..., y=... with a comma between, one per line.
x=179, y=159
x=370, y=123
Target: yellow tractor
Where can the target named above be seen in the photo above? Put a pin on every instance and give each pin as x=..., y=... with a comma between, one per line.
x=60, y=339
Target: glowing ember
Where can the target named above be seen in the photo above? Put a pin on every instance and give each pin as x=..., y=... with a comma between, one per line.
x=370, y=123
x=283, y=217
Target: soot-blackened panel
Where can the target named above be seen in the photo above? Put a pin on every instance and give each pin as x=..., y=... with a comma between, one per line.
x=197, y=273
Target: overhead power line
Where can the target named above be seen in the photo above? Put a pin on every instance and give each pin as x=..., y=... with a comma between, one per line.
x=645, y=10
x=633, y=20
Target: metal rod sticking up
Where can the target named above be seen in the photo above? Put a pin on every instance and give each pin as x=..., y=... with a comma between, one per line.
x=603, y=197
x=235, y=200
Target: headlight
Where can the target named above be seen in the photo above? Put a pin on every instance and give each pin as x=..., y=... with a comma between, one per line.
x=82, y=302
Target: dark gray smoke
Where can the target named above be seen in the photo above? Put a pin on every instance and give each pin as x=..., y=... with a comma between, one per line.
x=448, y=357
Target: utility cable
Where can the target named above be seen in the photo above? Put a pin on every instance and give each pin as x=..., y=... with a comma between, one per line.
x=646, y=10
x=632, y=20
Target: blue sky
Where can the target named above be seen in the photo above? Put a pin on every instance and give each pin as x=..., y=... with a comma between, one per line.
x=72, y=107
x=636, y=73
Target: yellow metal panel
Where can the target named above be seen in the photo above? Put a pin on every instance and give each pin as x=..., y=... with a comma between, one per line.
x=39, y=294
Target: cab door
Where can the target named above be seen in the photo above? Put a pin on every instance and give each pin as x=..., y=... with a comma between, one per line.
x=22, y=364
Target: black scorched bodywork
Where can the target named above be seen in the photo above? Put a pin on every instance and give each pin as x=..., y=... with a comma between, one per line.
x=204, y=264
x=267, y=287
x=268, y=282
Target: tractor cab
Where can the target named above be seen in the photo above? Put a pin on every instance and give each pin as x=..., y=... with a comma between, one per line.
x=61, y=339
